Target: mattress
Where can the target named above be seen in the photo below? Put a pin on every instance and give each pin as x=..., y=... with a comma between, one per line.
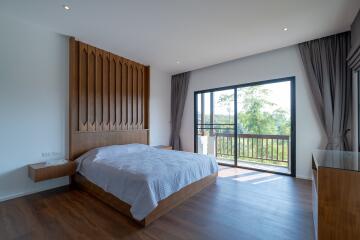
x=141, y=175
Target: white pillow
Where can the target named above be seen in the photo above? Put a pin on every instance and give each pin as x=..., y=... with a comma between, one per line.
x=110, y=152
x=119, y=150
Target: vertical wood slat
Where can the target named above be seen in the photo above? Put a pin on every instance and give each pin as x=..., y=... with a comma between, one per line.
x=124, y=96
x=135, y=97
x=130, y=97
x=118, y=93
x=73, y=92
x=83, y=88
x=146, y=96
x=106, y=96
x=99, y=90
x=140, y=97
x=111, y=93
x=74, y=84
x=91, y=89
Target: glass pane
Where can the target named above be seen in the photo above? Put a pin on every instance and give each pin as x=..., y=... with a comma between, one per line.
x=264, y=126
x=224, y=114
x=224, y=107
x=198, y=108
x=215, y=125
x=204, y=125
x=206, y=107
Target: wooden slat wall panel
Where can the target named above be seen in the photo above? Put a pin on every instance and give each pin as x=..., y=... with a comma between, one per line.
x=110, y=92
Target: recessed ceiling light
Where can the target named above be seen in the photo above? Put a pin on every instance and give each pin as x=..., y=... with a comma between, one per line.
x=177, y=62
x=285, y=29
x=66, y=7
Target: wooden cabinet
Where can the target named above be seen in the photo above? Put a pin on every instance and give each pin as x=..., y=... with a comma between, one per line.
x=41, y=171
x=315, y=203
x=336, y=195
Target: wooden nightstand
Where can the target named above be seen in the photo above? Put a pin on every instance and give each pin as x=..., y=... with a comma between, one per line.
x=40, y=171
x=164, y=147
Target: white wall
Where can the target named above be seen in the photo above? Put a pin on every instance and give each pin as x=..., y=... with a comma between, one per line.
x=275, y=64
x=34, y=104
x=160, y=91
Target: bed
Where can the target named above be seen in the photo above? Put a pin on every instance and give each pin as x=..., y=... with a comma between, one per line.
x=109, y=115
x=141, y=181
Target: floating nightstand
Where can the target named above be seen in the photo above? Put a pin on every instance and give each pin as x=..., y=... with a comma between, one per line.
x=43, y=171
x=164, y=147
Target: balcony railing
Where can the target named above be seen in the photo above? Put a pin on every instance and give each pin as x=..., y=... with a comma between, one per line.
x=254, y=148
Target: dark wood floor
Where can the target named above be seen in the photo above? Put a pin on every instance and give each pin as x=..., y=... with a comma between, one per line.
x=243, y=204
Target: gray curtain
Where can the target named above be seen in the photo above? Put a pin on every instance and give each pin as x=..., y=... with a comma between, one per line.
x=330, y=81
x=179, y=88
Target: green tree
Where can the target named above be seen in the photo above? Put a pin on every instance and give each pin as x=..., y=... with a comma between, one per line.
x=252, y=115
x=256, y=114
x=226, y=100
x=282, y=121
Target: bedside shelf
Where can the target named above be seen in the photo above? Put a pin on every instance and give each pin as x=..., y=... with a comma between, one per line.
x=40, y=171
x=164, y=147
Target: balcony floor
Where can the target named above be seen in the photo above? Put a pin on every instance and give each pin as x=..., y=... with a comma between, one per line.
x=271, y=168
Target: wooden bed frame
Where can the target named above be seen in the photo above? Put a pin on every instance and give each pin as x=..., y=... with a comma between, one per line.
x=109, y=105
x=163, y=207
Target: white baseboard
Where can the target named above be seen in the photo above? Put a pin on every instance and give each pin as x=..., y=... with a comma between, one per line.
x=21, y=194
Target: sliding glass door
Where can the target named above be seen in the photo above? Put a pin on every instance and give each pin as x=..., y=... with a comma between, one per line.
x=248, y=125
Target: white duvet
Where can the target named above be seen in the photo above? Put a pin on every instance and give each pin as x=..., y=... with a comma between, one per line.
x=141, y=175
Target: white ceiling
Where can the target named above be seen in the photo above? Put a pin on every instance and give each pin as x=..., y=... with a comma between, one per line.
x=197, y=33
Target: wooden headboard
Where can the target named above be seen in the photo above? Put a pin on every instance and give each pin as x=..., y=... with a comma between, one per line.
x=109, y=99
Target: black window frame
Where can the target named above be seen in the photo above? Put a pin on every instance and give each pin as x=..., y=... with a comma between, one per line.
x=292, y=80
